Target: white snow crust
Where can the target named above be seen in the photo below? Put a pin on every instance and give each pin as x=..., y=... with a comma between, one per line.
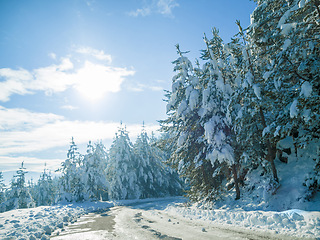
x=45, y=222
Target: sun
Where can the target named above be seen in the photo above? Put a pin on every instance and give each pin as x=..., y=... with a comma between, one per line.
x=94, y=81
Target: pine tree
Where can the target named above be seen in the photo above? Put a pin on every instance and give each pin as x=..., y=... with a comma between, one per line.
x=121, y=169
x=285, y=38
x=2, y=193
x=184, y=128
x=45, y=190
x=218, y=82
x=18, y=194
x=172, y=183
x=72, y=187
x=250, y=107
x=94, y=176
x=153, y=177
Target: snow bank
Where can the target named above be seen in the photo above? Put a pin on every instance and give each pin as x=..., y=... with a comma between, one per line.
x=41, y=222
x=45, y=221
x=293, y=222
x=259, y=209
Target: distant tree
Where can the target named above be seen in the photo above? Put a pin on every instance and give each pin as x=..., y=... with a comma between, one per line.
x=2, y=193
x=18, y=194
x=72, y=187
x=45, y=190
x=154, y=178
x=94, y=176
x=174, y=184
x=121, y=169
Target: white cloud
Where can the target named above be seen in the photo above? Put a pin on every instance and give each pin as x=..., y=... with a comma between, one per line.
x=20, y=119
x=139, y=87
x=23, y=131
x=163, y=7
x=53, y=56
x=15, y=82
x=69, y=107
x=92, y=79
x=141, y=12
x=98, y=54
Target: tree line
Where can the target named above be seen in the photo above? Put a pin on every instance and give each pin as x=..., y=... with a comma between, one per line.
x=126, y=171
x=251, y=103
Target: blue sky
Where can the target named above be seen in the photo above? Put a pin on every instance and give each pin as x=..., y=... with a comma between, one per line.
x=79, y=67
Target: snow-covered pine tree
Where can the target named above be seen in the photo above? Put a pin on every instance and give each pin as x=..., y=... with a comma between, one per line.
x=121, y=169
x=72, y=187
x=18, y=195
x=94, y=176
x=2, y=193
x=306, y=56
x=217, y=82
x=292, y=54
x=147, y=181
x=173, y=183
x=183, y=125
x=45, y=190
x=153, y=176
x=250, y=107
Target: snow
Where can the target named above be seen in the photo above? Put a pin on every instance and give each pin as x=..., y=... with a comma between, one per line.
x=281, y=24
x=286, y=28
x=249, y=78
x=210, y=133
x=257, y=91
x=285, y=143
x=183, y=106
x=265, y=131
x=286, y=44
x=46, y=222
x=194, y=81
x=306, y=114
x=182, y=138
x=220, y=85
x=294, y=222
x=301, y=3
x=284, y=18
x=285, y=212
x=37, y=222
x=266, y=75
x=276, y=132
x=294, y=109
x=176, y=86
x=277, y=84
x=306, y=89
x=193, y=99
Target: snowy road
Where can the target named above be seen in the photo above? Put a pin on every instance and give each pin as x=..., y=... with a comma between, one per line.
x=147, y=220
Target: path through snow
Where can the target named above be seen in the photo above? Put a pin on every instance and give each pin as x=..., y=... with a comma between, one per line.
x=164, y=218
x=151, y=220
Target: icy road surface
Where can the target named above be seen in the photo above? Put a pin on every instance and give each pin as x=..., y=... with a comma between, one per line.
x=148, y=220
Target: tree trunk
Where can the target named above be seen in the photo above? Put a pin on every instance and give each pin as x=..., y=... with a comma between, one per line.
x=236, y=181
x=271, y=150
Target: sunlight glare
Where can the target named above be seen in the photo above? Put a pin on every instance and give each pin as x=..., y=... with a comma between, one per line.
x=94, y=81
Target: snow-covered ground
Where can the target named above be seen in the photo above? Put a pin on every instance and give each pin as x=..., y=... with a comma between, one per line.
x=295, y=223
x=167, y=218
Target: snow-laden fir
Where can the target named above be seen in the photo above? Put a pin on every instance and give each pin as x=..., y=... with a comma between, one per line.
x=242, y=131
